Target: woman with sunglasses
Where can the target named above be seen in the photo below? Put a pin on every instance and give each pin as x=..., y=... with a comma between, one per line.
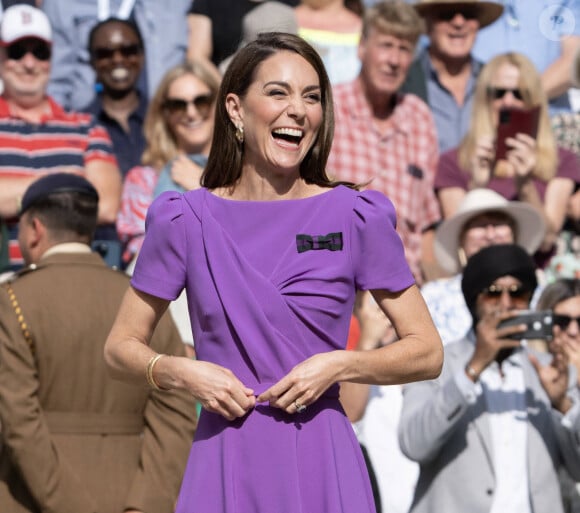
x=563, y=298
x=534, y=171
x=271, y=252
x=178, y=129
x=117, y=57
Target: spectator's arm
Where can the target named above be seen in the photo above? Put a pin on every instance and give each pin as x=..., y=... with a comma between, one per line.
x=199, y=45
x=12, y=188
x=557, y=77
x=106, y=178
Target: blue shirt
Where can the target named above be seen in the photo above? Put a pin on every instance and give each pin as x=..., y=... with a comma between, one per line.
x=452, y=120
x=533, y=28
x=166, y=183
x=127, y=146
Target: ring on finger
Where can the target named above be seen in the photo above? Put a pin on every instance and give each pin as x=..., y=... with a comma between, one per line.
x=299, y=407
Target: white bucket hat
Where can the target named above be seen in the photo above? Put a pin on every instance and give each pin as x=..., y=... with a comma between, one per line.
x=530, y=226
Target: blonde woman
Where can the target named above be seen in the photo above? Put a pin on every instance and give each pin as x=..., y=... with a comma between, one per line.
x=178, y=130
x=535, y=171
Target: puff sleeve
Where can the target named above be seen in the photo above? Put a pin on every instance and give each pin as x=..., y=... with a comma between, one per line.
x=377, y=251
x=161, y=265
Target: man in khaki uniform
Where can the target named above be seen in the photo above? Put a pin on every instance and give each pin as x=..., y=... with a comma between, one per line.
x=75, y=440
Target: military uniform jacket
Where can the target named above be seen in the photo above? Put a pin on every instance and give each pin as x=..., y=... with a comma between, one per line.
x=74, y=439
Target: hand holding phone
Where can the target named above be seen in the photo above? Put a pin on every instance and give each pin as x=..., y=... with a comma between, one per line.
x=511, y=123
x=538, y=324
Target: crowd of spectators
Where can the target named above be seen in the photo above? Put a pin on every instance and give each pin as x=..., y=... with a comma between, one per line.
x=122, y=92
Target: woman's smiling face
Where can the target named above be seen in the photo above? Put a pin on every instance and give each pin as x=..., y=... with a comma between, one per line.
x=281, y=113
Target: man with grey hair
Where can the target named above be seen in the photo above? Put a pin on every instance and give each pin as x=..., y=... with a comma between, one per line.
x=386, y=139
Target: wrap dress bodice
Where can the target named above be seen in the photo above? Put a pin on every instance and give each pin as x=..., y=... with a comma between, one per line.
x=270, y=284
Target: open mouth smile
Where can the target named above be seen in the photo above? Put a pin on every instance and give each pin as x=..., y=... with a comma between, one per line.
x=292, y=135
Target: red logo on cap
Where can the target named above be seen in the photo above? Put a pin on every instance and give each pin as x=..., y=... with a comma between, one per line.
x=26, y=18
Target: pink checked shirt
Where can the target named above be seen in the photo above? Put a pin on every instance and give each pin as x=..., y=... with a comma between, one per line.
x=400, y=161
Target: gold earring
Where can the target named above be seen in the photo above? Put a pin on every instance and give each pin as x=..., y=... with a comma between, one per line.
x=240, y=133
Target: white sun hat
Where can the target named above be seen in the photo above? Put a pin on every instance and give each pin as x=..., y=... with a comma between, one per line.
x=530, y=226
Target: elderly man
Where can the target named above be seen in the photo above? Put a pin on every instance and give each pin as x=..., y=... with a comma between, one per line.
x=444, y=73
x=36, y=136
x=75, y=440
x=491, y=433
x=385, y=139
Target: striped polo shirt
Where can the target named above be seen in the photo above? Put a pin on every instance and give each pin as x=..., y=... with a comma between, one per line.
x=62, y=141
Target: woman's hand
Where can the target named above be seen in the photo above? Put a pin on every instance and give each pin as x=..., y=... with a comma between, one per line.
x=522, y=155
x=481, y=162
x=186, y=173
x=554, y=377
x=217, y=389
x=305, y=383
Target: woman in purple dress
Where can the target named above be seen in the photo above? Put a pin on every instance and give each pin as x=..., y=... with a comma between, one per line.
x=271, y=253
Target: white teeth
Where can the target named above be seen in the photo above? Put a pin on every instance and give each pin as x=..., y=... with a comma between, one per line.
x=293, y=132
x=120, y=73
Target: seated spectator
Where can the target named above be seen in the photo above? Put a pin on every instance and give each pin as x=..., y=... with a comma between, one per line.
x=384, y=139
x=76, y=440
x=178, y=131
x=492, y=431
x=215, y=27
x=536, y=171
x=563, y=298
x=333, y=28
x=567, y=130
x=483, y=218
x=36, y=136
x=445, y=72
x=116, y=50
x=164, y=31
x=547, y=33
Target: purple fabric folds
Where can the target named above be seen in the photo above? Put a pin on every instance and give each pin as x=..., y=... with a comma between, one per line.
x=259, y=307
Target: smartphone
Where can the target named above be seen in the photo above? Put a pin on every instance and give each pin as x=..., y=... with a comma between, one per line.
x=538, y=324
x=513, y=122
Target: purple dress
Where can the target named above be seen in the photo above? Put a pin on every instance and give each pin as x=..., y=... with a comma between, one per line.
x=270, y=284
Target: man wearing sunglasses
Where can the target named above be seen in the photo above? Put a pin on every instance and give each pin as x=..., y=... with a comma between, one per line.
x=493, y=431
x=37, y=136
x=444, y=73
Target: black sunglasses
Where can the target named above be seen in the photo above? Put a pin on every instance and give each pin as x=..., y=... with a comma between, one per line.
x=469, y=13
x=563, y=321
x=515, y=291
x=126, y=51
x=499, y=92
x=203, y=103
x=38, y=49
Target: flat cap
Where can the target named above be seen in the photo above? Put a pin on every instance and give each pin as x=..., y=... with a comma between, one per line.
x=53, y=184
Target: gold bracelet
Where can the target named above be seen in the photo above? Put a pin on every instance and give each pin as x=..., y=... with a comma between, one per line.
x=149, y=372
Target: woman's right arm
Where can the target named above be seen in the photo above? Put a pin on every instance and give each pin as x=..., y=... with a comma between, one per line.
x=127, y=353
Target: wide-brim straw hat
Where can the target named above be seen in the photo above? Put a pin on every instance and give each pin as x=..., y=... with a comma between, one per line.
x=530, y=226
x=488, y=12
